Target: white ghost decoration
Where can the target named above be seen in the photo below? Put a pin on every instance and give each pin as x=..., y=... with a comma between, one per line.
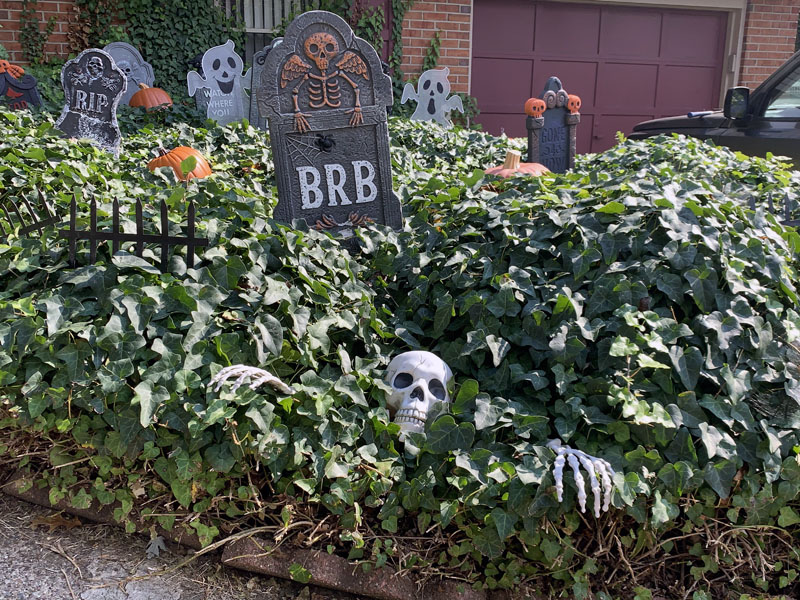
x=136, y=70
x=431, y=94
x=418, y=379
x=222, y=77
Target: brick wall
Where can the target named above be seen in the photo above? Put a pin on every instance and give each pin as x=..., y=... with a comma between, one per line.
x=770, y=32
x=56, y=45
x=453, y=20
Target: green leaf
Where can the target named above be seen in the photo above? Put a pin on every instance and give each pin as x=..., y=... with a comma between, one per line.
x=445, y=436
x=299, y=573
x=719, y=475
x=611, y=208
x=687, y=363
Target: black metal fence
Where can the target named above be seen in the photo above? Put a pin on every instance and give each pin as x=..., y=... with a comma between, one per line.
x=20, y=213
x=787, y=209
x=140, y=238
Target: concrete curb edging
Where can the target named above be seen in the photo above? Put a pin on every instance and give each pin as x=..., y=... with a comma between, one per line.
x=248, y=554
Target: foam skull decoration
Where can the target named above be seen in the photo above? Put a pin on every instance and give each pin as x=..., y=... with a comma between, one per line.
x=322, y=48
x=418, y=379
x=573, y=103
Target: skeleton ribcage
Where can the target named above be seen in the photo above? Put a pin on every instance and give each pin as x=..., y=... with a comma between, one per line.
x=324, y=92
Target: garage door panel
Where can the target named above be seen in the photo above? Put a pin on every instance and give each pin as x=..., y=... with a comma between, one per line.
x=607, y=126
x=501, y=85
x=679, y=85
x=693, y=38
x=627, y=63
x=630, y=33
x=577, y=77
x=623, y=86
x=509, y=35
x=566, y=30
x=498, y=123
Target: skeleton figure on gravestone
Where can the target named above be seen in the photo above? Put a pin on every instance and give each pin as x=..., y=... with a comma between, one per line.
x=431, y=94
x=323, y=88
x=131, y=63
x=222, y=76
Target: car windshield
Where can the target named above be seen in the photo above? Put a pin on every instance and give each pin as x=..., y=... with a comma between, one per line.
x=785, y=98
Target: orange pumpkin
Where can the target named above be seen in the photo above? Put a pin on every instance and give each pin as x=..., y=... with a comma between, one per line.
x=535, y=107
x=175, y=157
x=13, y=70
x=573, y=103
x=512, y=167
x=150, y=98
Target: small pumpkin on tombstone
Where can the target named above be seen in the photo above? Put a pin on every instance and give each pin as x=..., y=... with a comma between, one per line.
x=151, y=98
x=513, y=167
x=177, y=159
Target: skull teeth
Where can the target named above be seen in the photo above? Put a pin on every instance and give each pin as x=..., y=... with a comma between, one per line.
x=415, y=417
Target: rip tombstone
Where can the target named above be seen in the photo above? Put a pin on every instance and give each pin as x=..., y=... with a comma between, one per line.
x=93, y=86
x=136, y=70
x=325, y=96
x=552, y=121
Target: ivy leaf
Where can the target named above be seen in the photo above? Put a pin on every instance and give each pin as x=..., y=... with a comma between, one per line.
x=719, y=475
x=445, y=436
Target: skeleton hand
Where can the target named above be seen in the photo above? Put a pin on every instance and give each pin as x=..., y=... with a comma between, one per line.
x=357, y=118
x=242, y=372
x=300, y=122
x=594, y=466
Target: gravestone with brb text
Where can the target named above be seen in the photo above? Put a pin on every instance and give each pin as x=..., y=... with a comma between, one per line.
x=93, y=86
x=552, y=136
x=325, y=96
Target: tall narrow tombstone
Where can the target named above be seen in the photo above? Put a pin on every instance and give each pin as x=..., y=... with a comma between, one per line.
x=259, y=58
x=222, y=77
x=93, y=86
x=17, y=88
x=325, y=96
x=552, y=136
x=136, y=70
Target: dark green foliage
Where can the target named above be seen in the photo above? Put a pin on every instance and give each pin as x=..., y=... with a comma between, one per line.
x=633, y=307
x=170, y=33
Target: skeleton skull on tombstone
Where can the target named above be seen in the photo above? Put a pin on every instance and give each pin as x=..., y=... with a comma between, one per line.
x=322, y=48
x=95, y=67
x=418, y=379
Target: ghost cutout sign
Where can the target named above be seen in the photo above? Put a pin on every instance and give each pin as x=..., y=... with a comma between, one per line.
x=431, y=94
x=136, y=70
x=93, y=85
x=222, y=77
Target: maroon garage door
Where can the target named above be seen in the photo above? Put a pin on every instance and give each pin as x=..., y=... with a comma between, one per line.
x=627, y=64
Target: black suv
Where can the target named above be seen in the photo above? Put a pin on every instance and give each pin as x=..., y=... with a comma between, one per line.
x=766, y=120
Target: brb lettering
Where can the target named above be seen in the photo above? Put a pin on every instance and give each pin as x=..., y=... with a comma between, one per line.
x=93, y=86
x=325, y=96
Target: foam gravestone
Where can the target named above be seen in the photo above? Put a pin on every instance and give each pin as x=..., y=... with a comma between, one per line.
x=259, y=58
x=552, y=122
x=134, y=67
x=432, y=99
x=93, y=86
x=325, y=96
x=17, y=89
x=223, y=79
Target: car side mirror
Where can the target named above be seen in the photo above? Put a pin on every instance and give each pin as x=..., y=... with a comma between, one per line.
x=737, y=102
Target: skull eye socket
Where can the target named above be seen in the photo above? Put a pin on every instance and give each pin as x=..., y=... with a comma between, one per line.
x=313, y=48
x=437, y=389
x=427, y=84
x=403, y=380
x=231, y=62
x=329, y=48
x=440, y=87
x=216, y=64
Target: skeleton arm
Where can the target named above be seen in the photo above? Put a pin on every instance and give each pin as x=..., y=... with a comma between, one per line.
x=296, y=68
x=257, y=378
x=593, y=466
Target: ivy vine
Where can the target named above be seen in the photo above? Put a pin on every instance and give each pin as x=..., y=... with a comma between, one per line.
x=93, y=21
x=32, y=37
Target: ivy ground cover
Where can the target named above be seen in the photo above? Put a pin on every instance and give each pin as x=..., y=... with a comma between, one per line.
x=635, y=308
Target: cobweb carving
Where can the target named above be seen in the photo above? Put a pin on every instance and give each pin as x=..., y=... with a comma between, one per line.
x=304, y=146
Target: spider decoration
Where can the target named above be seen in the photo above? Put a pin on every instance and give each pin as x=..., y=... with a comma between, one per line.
x=323, y=88
x=353, y=220
x=326, y=143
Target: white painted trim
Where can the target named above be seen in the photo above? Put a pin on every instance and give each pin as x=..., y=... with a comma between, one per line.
x=469, y=47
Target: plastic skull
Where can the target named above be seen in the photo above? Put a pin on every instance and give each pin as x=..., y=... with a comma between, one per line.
x=322, y=48
x=418, y=379
x=535, y=107
x=95, y=67
x=573, y=103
